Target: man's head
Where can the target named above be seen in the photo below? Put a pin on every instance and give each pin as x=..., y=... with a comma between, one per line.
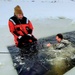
x=18, y=12
x=59, y=37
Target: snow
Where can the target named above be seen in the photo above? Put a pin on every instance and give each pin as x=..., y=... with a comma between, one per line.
x=71, y=72
x=37, y=9
x=45, y=17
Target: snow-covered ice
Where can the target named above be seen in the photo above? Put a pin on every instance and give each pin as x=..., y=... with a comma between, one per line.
x=47, y=18
x=37, y=9
x=72, y=71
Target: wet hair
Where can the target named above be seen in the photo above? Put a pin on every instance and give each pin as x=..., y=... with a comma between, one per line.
x=60, y=35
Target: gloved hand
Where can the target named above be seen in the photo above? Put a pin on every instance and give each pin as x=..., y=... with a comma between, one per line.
x=29, y=35
x=19, y=37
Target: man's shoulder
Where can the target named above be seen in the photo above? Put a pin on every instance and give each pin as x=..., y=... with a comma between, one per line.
x=65, y=41
x=13, y=18
x=25, y=18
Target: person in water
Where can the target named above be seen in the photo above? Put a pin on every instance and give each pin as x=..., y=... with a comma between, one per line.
x=61, y=42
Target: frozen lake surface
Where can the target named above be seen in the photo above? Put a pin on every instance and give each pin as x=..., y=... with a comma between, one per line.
x=47, y=18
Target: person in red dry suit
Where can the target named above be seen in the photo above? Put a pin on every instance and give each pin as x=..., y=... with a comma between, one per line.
x=21, y=28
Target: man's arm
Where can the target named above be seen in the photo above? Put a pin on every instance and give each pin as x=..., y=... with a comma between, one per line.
x=12, y=28
x=30, y=27
x=58, y=46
